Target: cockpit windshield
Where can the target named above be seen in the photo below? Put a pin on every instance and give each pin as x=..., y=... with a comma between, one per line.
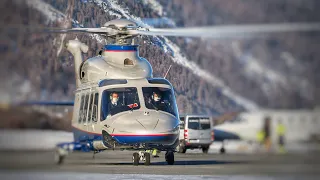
x=161, y=99
x=119, y=100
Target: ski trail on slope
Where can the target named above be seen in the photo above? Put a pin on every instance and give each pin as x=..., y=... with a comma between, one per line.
x=253, y=67
x=53, y=14
x=179, y=58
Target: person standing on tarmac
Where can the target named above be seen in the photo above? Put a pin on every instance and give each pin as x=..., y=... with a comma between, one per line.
x=267, y=133
x=260, y=137
x=281, y=132
x=153, y=152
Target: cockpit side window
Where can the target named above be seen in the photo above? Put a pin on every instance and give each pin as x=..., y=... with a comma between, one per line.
x=160, y=99
x=119, y=100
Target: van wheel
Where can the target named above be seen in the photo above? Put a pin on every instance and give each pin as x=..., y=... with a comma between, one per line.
x=205, y=150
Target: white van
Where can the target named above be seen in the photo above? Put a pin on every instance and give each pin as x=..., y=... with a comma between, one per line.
x=196, y=131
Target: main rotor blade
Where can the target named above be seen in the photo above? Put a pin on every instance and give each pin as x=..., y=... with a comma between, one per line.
x=39, y=29
x=229, y=30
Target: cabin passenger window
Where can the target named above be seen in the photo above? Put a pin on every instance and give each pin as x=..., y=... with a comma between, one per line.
x=119, y=100
x=160, y=99
x=85, y=109
x=90, y=108
x=95, y=108
x=81, y=109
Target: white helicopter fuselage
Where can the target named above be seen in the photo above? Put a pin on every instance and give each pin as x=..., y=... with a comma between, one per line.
x=120, y=69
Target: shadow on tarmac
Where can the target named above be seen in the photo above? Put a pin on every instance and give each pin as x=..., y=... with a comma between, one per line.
x=180, y=163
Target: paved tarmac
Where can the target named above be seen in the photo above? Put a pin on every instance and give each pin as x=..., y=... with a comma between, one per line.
x=120, y=162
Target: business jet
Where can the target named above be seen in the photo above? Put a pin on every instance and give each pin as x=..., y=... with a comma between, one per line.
x=301, y=126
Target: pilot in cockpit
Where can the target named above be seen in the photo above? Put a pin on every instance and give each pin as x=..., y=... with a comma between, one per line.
x=114, y=101
x=157, y=102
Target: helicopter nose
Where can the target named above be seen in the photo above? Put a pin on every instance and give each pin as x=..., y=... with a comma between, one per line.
x=148, y=124
x=143, y=123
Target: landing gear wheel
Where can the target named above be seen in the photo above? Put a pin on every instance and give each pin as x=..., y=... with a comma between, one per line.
x=169, y=157
x=147, y=159
x=135, y=159
x=205, y=150
x=59, y=156
x=59, y=159
x=222, y=150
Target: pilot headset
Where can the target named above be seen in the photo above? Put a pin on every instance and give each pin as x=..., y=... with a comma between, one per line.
x=152, y=96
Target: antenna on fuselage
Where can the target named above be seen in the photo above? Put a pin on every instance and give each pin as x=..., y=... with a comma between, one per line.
x=167, y=71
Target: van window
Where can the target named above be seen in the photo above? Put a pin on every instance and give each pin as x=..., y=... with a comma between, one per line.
x=205, y=123
x=198, y=123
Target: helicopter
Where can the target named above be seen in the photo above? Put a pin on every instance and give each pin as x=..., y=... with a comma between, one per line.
x=146, y=114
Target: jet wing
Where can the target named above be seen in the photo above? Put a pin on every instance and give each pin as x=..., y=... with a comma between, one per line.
x=48, y=103
x=220, y=135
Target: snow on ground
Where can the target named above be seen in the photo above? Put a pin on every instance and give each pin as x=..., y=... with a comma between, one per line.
x=243, y=147
x=32, y=139
x=47, y=139
x=96, y=176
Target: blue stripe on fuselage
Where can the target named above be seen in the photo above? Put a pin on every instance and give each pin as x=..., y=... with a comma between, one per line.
x=81, y=135
x=166, y=139
x=120, y=48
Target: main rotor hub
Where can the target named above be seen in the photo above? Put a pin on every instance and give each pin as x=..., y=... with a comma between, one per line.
x=121, y=25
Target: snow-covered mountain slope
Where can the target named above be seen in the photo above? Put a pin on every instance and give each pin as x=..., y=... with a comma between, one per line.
x=208, y=75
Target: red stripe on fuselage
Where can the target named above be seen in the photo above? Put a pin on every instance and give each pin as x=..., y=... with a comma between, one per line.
x=122, y=134
x=142, y=134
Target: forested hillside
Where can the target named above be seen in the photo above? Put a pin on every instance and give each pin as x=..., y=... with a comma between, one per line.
x=278, y=71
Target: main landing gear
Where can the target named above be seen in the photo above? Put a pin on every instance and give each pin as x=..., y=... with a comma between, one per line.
x=169, y=157
x=146, y=158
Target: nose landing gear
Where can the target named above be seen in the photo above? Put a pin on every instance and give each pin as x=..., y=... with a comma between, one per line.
x=141, y=156
x=146, y=158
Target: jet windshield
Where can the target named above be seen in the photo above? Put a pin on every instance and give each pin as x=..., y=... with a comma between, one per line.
x=119, y=100
x=161, y=99
x=198, y=123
